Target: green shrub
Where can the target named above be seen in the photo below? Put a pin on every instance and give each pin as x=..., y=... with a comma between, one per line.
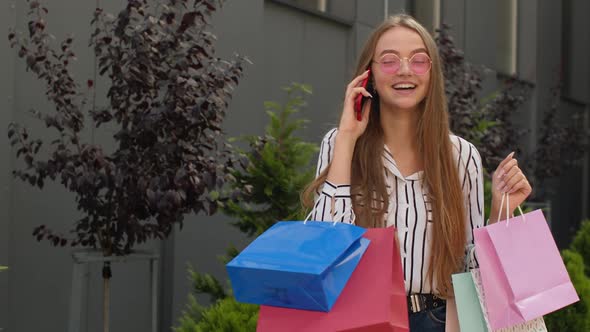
x=575, y=317
x=274, y=170
x=205, y=283
x=581, y=244
x=264, y=188
x=227, y=315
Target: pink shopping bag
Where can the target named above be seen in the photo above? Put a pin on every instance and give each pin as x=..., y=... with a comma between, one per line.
x=373, y=300
x=535, y=325
x=522, y=272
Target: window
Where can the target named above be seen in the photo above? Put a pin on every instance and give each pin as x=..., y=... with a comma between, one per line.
x=341, y=11
x=319, y=5
x=506, y=38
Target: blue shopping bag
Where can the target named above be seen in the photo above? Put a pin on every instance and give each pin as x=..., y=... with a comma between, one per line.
x=296, y=264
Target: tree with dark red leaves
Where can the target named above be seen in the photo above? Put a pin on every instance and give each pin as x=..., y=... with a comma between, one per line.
x=167, y=97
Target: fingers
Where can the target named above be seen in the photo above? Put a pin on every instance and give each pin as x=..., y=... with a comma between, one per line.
x=521, y=186
x=356, y=81
x=361, y=90
x=354, y=92
x=501, y=168
x=349, y=121
x=513, y=179
x=355, y=84
x=508, y=181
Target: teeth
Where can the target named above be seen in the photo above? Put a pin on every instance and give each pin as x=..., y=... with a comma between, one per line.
x=404, y=86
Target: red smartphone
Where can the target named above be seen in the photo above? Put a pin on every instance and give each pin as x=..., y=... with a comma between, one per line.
x=360, y=99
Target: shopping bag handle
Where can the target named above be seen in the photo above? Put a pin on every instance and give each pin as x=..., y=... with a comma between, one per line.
x=308, y=216
x=507, y=196
x=470, y=256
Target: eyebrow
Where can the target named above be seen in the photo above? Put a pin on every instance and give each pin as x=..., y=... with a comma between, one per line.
x=418, y=50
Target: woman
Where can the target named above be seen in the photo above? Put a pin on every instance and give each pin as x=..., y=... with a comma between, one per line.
x=400, y=165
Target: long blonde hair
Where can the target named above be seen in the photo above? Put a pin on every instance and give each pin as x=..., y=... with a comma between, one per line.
x=369, y=192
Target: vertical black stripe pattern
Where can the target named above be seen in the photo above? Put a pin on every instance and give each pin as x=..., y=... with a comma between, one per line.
x=414, y=247
x=407, y=226
x=467, y=168
x=324, y=209
x=413, y=236
x=396, y=200
x=460, y=150
x=315, y=210
x=468, y=176
x=330, y=146
x=422, y=277
x=471, y=212
x=477, y=184
x=320, y=161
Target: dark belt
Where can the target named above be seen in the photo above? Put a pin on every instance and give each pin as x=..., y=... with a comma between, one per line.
x=420, y=302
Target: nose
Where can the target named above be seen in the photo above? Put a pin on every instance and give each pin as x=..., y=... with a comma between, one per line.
x=404, y=68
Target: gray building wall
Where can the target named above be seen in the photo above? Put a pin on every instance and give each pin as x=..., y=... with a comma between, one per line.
x=552, y=43
x=6, y=105
x=570, y=195
x=285, y=43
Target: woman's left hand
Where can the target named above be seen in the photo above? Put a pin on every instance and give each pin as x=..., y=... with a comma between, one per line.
x=508, y=178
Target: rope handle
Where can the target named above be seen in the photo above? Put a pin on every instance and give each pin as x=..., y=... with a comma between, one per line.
x=507, y=196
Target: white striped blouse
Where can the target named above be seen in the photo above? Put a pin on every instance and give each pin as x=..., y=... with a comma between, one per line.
x=409, y=211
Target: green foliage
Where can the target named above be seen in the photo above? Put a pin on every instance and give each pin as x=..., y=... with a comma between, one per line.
x=226, y=315
x=191, y=316
x=206, y=283
x=581, y=244
x=274, y=170
x=264, y=188
x=230, y=253
x=2, y=268
x=575, y=317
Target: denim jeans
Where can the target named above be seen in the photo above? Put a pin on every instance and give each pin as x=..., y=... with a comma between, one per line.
x=429, y=320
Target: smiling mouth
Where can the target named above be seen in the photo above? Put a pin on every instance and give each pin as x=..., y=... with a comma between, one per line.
x=404, y=87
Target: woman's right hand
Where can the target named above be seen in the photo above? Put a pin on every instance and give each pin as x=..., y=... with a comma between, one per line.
x=349, y=130
x=349, y=125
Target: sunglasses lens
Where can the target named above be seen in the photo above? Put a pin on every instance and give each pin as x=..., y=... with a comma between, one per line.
x=420, y=64
x=390, y=63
